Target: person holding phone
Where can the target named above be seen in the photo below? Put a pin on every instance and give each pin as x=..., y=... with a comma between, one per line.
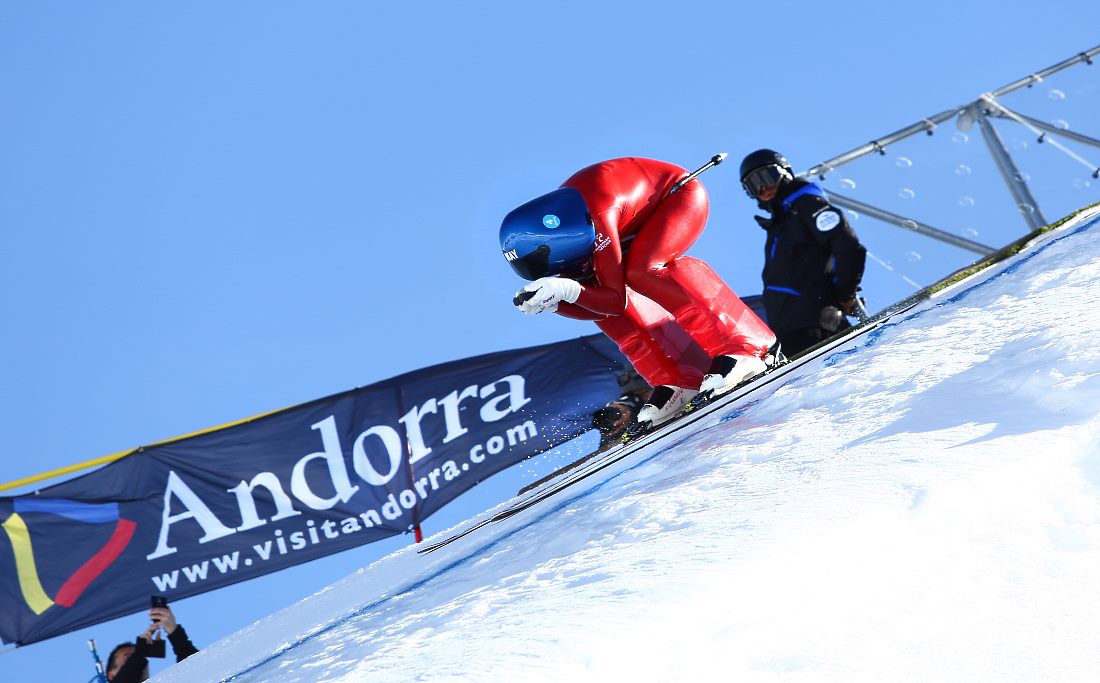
x=129, y=662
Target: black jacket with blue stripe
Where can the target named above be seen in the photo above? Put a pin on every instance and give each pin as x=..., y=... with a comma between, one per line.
x=812, y=260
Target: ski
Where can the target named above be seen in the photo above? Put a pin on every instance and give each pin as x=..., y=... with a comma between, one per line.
x=599, y=461
x=567, y=468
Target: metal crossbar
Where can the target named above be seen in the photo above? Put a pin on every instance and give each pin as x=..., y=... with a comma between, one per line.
x=977, y=111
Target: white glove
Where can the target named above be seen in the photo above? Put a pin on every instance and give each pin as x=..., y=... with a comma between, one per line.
x=545, y=294
x=535, y=310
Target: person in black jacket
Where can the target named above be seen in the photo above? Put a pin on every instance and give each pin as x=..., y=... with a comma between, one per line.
x=813, y=261
x=129, y=663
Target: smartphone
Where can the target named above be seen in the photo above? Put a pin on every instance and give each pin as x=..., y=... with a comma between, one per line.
x=155, y=648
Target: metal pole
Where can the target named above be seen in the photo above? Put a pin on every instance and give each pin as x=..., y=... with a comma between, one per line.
x=930, y=123
x=1037, y=126
x=1012, y=176
x=909, y=224
x=927, y=125
x=1004, y=112
x=1039, y=76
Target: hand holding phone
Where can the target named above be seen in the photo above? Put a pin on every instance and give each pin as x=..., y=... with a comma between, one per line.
x=161, y=614
x=150, y=642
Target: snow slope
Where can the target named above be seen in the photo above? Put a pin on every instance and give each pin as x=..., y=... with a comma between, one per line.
x=922, y=504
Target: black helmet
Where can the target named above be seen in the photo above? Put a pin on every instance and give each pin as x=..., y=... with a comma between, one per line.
x=762, y=169
x=764, y=157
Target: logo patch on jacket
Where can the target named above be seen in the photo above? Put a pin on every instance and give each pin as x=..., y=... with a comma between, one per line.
x=827, y=220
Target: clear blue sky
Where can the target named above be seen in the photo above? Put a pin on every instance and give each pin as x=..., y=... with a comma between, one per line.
x=215, y=210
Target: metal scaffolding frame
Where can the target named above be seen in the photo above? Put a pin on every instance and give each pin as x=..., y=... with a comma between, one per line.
x=979, y=111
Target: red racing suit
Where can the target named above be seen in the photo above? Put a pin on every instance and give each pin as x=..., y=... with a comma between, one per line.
x=642, y=233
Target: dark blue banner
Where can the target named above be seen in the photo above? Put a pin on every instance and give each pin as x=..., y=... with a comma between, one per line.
x=191, y=515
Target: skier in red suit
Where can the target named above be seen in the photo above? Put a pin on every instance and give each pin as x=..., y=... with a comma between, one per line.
x=616, y=230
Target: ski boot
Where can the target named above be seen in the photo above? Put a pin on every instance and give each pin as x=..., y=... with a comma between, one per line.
x=664, y=404
x=726, y=373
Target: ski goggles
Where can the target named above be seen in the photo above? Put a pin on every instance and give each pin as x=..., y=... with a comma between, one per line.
x=758, y=179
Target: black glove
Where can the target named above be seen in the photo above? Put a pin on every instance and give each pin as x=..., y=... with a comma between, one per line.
x=763, y=222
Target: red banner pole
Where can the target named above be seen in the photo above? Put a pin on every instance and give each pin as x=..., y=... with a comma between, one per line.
x=418, y=535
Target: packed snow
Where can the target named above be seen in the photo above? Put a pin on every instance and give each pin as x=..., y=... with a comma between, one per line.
x=922, y=504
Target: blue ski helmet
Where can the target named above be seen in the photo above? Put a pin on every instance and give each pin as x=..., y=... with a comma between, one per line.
x=550, y=235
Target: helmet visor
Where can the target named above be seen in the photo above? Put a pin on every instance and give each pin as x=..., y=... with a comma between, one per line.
x=534, y=265
x=762, y=178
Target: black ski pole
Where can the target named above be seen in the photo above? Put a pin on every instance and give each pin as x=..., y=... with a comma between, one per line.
x=714, y=161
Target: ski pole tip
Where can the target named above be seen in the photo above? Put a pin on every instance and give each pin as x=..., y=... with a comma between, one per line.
x=719, y=158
